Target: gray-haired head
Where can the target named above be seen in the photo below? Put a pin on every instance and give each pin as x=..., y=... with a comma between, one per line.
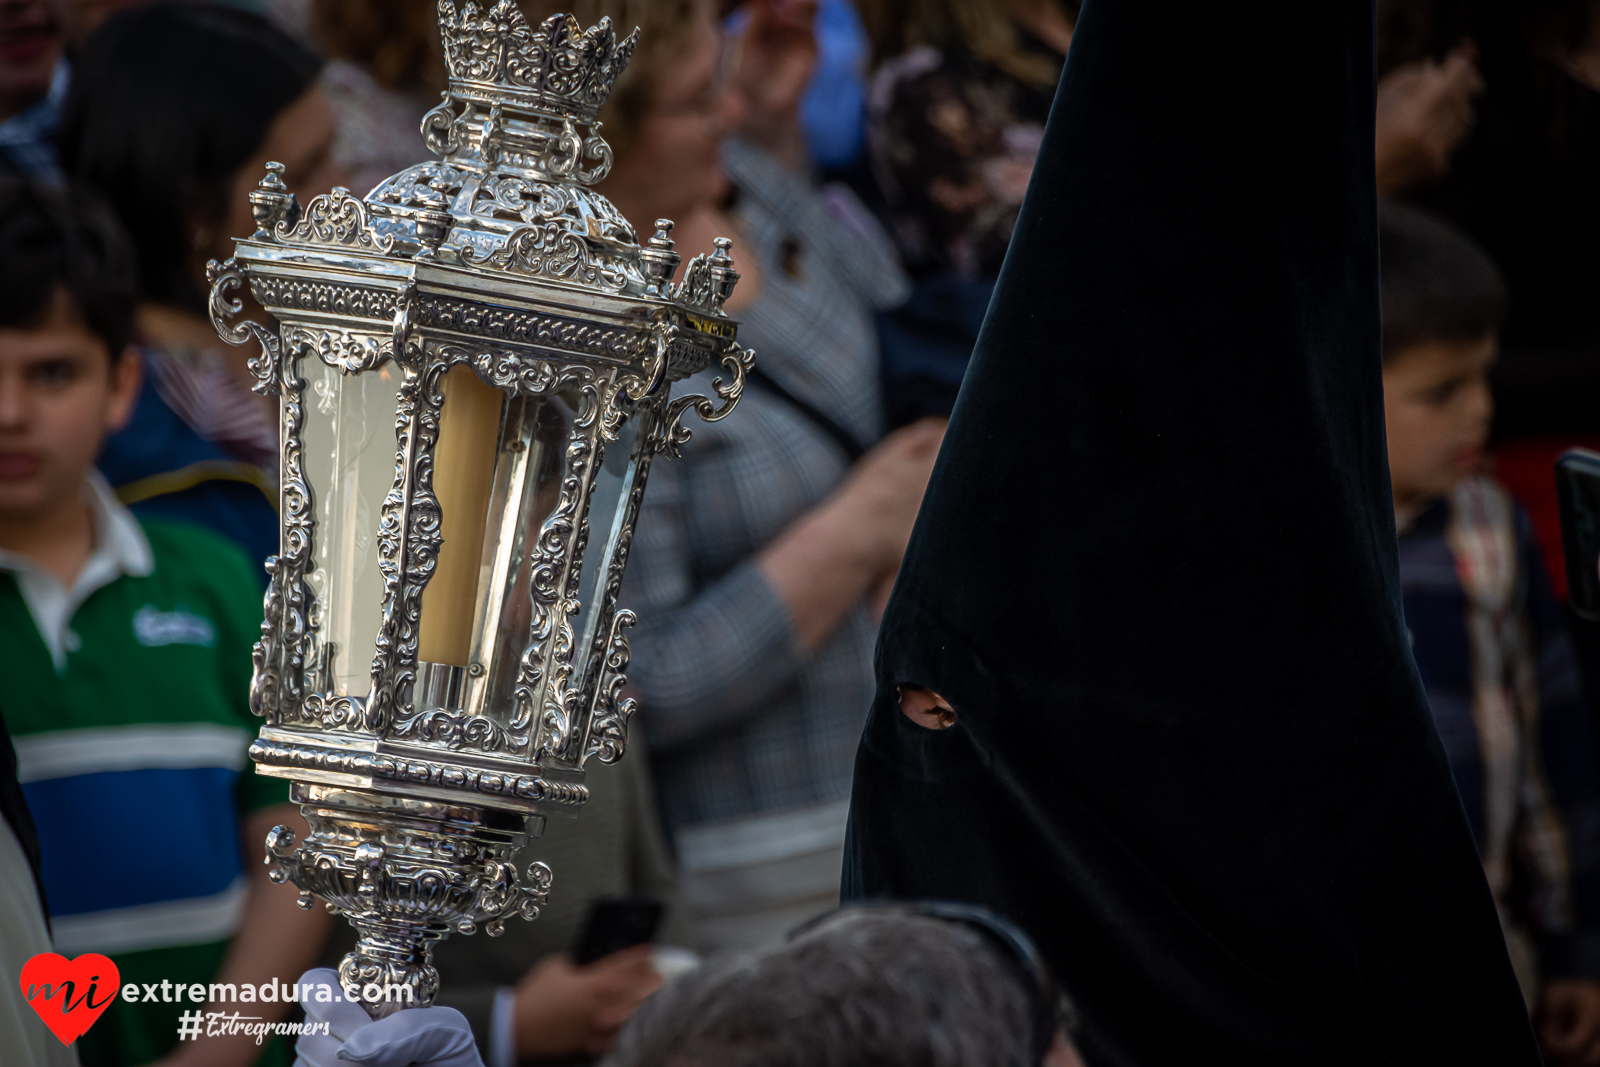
x=870, y=986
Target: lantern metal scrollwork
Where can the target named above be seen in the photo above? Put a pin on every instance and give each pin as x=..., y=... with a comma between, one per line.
x=473, y=367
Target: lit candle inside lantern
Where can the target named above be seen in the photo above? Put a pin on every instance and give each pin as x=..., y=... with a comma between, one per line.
x=463, y=473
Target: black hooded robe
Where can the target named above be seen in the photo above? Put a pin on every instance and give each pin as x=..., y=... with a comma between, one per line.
x=1155, y=576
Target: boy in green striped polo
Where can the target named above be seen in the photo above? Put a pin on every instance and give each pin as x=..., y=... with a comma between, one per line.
x=126, y=668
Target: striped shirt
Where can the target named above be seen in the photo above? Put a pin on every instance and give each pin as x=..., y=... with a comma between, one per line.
x=126, y=697
x=1503, y=686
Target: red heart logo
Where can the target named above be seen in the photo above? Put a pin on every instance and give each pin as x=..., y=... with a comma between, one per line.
x=67, y=994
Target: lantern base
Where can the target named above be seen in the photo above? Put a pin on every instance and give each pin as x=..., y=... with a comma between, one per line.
x=406, y=873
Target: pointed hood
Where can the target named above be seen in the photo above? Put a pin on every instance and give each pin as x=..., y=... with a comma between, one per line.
x=1155, y=576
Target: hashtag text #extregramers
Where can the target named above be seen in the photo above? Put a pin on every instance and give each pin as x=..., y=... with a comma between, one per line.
x=222, y=1024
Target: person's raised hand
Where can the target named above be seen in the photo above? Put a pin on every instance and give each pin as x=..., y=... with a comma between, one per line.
x=772, y=62
x=848, y=548
x=1568, y=1022
x=882, y=494
x=563, y=1009
x=1425, y=110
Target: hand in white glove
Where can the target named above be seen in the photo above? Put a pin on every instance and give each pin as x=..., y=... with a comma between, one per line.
x=424, y=1037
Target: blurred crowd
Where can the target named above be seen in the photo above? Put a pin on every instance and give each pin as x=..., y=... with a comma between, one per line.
x=869, y=160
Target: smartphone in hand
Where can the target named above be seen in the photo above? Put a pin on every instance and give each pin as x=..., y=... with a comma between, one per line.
x=1578, y=493
x=614, y=925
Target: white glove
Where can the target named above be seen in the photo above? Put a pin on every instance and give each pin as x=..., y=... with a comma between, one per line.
x=423, y=1037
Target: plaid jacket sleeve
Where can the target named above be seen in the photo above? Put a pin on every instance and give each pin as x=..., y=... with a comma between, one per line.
x=1566, y=748
x=705, y=656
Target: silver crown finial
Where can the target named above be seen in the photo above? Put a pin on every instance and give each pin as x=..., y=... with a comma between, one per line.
x=558, y=68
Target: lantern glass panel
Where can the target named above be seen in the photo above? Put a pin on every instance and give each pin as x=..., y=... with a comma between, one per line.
x=348, y=440
x=612, y=484
x=528, y=474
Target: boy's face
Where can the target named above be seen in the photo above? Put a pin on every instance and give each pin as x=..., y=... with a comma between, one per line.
x=59, y=397
x=30, y=43
x=1437, y=410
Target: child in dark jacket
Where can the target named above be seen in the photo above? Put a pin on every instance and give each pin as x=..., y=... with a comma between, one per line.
x=1485, y=630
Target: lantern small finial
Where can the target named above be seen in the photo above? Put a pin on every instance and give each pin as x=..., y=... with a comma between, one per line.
x=723, y=276
x=433, y=218
x=659, y=259
x=272, y=204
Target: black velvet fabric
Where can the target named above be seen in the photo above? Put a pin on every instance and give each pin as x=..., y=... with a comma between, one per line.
x=1155, y=576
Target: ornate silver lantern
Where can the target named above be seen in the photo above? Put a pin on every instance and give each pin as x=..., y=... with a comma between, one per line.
x=473, y=368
